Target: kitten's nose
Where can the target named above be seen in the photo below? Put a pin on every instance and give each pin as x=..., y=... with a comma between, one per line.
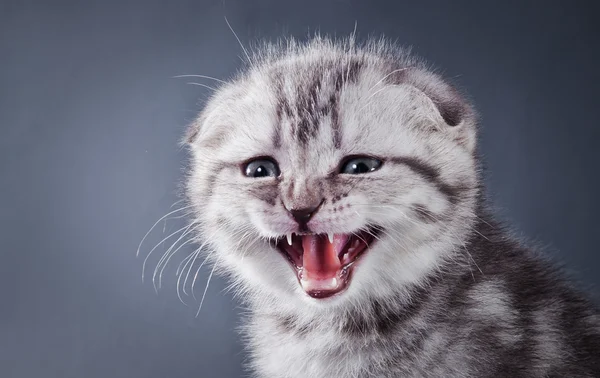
x=303, y=215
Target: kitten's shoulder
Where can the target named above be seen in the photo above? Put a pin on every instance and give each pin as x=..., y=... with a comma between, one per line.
x=525, y=305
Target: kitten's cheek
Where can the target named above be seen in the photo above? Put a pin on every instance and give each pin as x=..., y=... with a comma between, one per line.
x=269, y=224
x=258, y=223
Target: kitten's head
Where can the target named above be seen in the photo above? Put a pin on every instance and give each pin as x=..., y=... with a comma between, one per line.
x=329, y=172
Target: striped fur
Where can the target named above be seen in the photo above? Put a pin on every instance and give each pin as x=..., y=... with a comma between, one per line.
x=445, y=292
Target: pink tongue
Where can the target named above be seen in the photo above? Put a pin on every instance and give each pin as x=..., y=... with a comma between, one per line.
x=320, y=257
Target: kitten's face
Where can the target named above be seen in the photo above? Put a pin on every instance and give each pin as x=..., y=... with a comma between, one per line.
x=318, y=178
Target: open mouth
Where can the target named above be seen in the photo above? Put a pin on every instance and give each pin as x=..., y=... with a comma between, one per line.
x=324, y=262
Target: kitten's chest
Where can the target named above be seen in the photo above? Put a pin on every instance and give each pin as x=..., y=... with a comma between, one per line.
x=328, y=352
x=312, y=355
x=320, y=352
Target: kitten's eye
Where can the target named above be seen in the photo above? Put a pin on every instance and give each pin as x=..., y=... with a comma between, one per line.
x=358, y=165
x=261, y=168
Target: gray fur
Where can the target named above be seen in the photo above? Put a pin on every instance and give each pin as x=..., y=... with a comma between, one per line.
x=445, y=292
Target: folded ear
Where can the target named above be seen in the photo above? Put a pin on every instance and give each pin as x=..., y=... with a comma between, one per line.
x=452, y=107
x=203, y=131
x=201, y=137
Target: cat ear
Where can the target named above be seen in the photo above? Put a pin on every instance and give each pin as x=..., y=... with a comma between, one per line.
x=206, y=129
x=198, y=135
x=457, y=116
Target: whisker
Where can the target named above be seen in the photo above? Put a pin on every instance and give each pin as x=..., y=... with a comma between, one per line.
x=370, y=97
x=167, y=262
x=386, y=76
x=202, y=85
x=456, y=238
x=167, y=255
x=240, y=42
x=152, y=250
x=470, y=213
x=154, y=225
x=191, y=259
x=187, y=275
x=202, y=77
x=179, y=270
x=199, y=250
x=206, y=288
x=196, y=275
x=176, y=202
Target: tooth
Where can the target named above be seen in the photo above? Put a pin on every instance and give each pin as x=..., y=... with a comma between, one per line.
x=330, y=236
x=289, y=238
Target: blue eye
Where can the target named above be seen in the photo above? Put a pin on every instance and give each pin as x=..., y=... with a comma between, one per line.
x=261, y=168
x=360, y=164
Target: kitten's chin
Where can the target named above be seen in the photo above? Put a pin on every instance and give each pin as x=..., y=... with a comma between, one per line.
x=324, y=263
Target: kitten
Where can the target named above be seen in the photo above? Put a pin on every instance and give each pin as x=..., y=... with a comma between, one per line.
x=338, y=186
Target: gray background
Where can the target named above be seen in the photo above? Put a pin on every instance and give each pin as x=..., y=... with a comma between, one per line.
x=90, y=118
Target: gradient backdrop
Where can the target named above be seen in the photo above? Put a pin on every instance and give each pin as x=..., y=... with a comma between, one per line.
x=90, y=118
